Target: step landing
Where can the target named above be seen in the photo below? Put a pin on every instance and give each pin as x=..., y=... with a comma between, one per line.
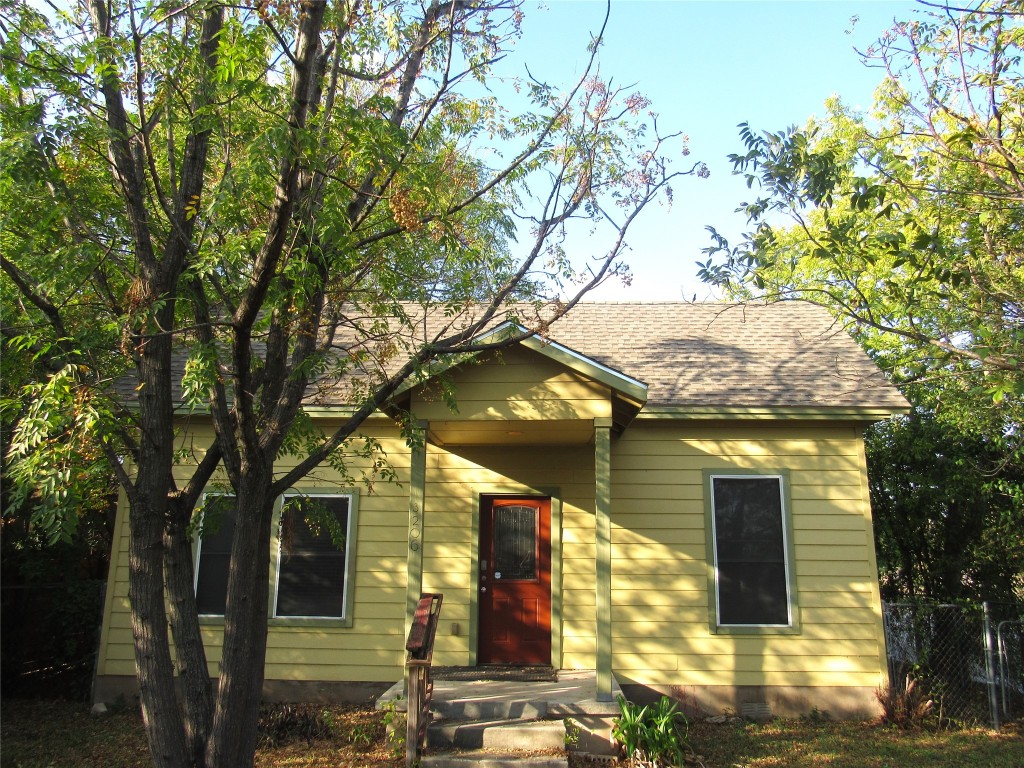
x=574, y=693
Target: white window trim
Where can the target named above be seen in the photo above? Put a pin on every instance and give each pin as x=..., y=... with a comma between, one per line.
x=198, y=551
x=350, y=527
x=787, y=554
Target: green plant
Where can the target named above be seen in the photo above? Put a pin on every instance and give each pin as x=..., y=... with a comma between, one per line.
x=652, y=735
x=394, y=727
x=817, y=716
x=572, y=732
x=286, y=723
x=906, y=705
x=360, y=734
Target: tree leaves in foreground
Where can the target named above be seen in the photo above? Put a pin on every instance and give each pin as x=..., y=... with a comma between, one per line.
x=908, y=224
x=285, y=200
x=948, y=512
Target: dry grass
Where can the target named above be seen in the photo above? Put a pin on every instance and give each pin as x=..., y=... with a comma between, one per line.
x=45, y=734
x=834, y=744
x=54, y=734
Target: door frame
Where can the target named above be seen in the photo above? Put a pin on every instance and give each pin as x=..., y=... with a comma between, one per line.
x=554, y=495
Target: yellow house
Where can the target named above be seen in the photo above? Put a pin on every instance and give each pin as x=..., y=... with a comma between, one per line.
x=672, y=494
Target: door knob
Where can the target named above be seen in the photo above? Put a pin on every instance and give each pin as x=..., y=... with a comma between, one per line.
x=483, y=589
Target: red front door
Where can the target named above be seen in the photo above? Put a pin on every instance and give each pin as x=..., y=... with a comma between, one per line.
x=515, y=581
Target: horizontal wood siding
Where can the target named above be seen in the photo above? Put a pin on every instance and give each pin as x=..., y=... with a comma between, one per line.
x=518, y=384
x=660, y=618
x=371, y=650
x=661, y=626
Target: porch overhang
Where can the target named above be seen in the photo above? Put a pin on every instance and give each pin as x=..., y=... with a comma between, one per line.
x=626, y=397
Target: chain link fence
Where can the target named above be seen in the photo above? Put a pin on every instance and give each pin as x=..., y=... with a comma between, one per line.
x=969, y=659
x=50, y=638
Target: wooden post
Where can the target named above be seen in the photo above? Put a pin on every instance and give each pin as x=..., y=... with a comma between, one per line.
x=420, y=646
x=414, y=713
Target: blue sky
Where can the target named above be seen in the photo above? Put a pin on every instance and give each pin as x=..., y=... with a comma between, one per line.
x=708, y=66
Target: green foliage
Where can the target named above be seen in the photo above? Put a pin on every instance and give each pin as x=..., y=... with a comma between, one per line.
x=652, y=735
x=403, y=208
x=572, y=733
x=906, y=222
x=395, y=728
x=361, y=735
x=58, y=471
x=300, y=207
x=948, y=509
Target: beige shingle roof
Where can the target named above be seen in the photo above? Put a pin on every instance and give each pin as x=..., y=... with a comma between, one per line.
x=788, y=354
x=714, y=355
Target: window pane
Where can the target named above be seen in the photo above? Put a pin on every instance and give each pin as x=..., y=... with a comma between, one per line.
x=215, y=554
x=311, y=571
x=751, y=552
x=752, y=593
x=515, y=543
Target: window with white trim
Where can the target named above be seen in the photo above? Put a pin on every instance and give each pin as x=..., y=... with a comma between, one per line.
x=313, y=570
x=751, y=553
x=313, y=561
x=213, y=553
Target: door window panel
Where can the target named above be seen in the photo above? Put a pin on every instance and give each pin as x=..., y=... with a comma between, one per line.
x=515, y=543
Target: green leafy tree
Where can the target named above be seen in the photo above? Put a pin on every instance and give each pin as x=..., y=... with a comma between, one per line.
x=948, y=512
x=280, y=193
x=908, y=224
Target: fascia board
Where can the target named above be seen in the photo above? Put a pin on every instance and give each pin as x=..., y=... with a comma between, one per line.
x=316, y=412
x=790, y=413
x=570, y=358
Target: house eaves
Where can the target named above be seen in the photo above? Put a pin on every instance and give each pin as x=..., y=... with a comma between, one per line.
x=781, y=413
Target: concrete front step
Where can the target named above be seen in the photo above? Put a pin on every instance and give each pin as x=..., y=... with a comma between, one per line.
x=496, y=734
x=522, y=719
x=493, y=760
x=483, y=709
x=520, y=709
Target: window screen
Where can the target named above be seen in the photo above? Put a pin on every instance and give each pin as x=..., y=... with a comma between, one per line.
x=312, y=563
x=750, y=551
x=214, y=554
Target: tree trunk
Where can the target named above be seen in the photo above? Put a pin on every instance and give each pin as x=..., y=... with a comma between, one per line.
x=233, y=737
x=197, y=691
x=161, y=712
